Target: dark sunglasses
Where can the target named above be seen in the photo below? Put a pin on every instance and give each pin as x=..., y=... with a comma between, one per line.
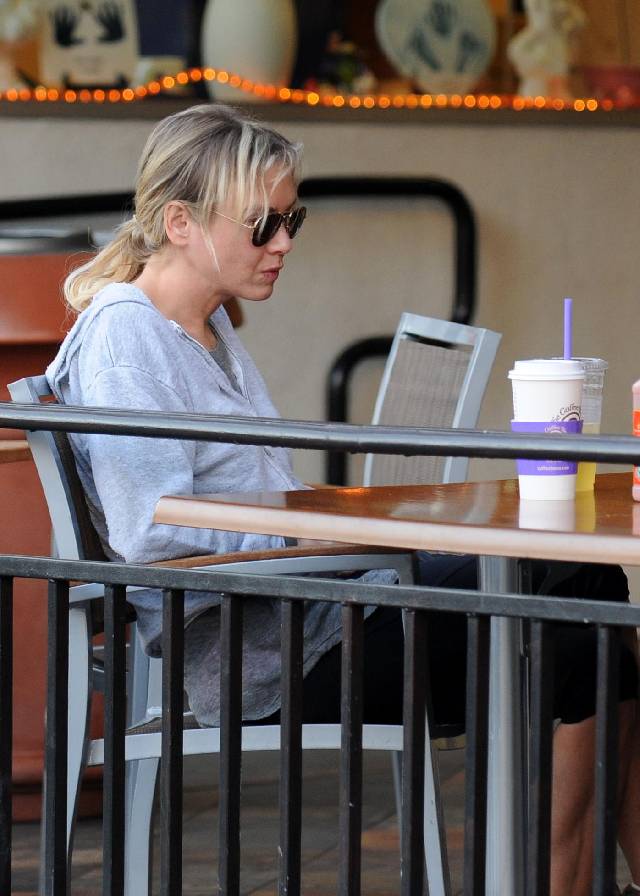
x=265, y=228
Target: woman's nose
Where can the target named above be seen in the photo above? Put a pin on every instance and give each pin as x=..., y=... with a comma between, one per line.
x=280, y=242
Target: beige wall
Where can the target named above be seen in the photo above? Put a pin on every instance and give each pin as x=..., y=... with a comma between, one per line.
x=558, y=214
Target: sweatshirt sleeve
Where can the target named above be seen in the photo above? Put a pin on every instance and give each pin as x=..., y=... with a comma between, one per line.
x=131, y=473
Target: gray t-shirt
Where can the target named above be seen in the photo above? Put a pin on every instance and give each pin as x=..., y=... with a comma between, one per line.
x=123, y=353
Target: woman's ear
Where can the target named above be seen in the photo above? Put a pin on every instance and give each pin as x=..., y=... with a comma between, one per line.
x=178, y=223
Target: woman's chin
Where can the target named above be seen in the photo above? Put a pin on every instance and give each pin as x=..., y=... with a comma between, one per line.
x=258, y=295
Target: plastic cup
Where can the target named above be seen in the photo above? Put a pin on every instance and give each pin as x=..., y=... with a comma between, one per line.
x=547, y=397
x=594, y=370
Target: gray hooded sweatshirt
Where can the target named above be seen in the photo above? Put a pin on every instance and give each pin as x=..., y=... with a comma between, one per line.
x=123, y=353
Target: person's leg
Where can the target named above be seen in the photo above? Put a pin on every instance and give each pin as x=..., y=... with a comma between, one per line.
x=572, y=817
x=575, y=657
x=575, y=653
x=572, y=809
x=629, y=814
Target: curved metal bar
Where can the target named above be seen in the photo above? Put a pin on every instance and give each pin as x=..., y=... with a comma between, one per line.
x=430, y=187
x=341, y=371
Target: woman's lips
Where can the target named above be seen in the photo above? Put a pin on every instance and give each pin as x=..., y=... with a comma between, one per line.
x=271, y=274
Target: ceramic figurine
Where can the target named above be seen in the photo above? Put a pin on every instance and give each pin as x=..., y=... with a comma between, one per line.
x=444, y=46
x=541, y=52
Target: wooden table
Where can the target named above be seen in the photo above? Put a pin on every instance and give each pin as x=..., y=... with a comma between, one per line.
x=475, y=517
x=483, y=518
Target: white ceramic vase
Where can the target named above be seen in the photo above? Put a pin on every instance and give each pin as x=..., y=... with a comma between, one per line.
x=256, y=39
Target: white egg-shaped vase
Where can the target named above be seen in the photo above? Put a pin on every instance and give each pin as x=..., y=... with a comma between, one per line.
x=255, y=39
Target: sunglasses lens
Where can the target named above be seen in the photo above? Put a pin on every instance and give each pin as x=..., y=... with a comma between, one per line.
x=295, y=221
x=266, y=228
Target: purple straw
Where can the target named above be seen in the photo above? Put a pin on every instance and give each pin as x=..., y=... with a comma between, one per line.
x=568, y=353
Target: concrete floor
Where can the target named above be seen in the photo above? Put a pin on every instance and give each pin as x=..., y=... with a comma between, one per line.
x=380, y=860
x=380, y=846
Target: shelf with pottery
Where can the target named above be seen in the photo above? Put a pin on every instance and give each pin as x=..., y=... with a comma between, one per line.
x=441, y=48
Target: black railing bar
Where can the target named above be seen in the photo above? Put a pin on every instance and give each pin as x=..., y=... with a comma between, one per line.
x=171, y=761
x=230, y=746
x=554, y=609
x=6, y=727
x=351, y=715
x=476, y=753
x=290, y=796
x=606, y=771
x=541, y=737
x=115, y=611
x=413, y=754
x=314, y=434
x=55, y=869
x=56, y=206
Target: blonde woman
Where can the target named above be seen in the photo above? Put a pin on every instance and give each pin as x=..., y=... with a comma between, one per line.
x=216, y=214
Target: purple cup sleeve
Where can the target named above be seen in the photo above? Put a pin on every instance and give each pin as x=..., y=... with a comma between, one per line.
x=547, y=467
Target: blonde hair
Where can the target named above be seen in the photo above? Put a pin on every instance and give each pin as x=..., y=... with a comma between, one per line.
x=203, y=156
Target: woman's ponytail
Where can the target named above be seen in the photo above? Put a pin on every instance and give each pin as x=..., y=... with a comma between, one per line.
x=121, y=261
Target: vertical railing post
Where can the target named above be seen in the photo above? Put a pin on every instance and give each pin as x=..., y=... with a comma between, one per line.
x=171, y=763
x=540, y=777
x=115, y=707
x=350, y=825
x=413, y=755
x=291, y=748
x=55, y=786
x=230, y=744
x=6, y=728
x=477, y=715
x=606, y=772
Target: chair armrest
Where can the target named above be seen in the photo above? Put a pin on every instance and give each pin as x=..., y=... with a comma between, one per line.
x=277, y=561
x=323, y=549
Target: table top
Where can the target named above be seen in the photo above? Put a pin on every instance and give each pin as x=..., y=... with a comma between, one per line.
x=12, y=450
x=485, y=518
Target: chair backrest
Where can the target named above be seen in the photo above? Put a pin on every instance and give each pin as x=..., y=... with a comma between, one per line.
x=74, y=534
x=436, y=375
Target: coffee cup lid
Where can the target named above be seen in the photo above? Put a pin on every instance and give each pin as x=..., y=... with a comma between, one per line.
x=547, y=369
x=591, y=364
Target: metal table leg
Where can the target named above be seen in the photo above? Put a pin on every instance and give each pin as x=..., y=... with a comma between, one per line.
x=505, y=805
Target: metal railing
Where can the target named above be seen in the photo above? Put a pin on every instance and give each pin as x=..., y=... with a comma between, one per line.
x=416, y=602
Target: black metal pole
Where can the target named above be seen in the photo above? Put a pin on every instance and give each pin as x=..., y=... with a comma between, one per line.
x=6, y=729
x=55, y=774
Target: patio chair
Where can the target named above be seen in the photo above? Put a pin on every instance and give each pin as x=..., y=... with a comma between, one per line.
x=75, y=538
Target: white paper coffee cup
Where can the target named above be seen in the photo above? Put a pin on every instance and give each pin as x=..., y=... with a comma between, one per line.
x=547, y=397
x=555, y=516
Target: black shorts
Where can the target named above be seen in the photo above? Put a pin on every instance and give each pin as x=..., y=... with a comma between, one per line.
x=575, y=649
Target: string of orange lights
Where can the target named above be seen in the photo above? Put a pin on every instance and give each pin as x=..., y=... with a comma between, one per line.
x=311, y=98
